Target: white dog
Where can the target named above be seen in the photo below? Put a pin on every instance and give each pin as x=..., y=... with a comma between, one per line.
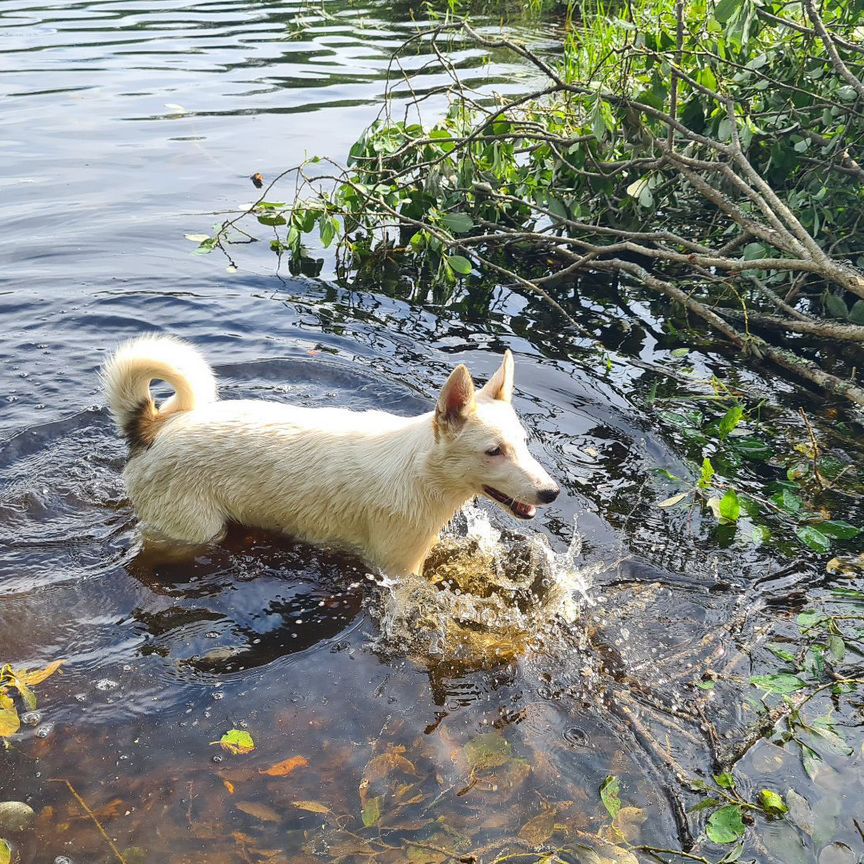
x=382, y=485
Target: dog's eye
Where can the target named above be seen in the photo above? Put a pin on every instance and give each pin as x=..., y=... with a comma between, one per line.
x=495, y=451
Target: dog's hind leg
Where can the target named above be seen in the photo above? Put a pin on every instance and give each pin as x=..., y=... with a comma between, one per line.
x=185, y=520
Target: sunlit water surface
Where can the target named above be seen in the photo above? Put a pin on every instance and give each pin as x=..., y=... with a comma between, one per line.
x=459, y=713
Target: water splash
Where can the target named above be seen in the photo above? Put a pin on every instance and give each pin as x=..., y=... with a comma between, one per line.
x=487, y=595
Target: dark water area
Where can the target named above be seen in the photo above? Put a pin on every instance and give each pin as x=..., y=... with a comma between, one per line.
x=124, y=126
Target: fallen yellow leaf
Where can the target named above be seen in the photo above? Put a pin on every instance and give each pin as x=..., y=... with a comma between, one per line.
x=259, y=811
x=229, y=786
x=31, y=679
x=312, y=806
x=10, y=723
x=286, y=766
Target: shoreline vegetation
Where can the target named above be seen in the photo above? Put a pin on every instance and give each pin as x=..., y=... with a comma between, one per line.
x=702, y=152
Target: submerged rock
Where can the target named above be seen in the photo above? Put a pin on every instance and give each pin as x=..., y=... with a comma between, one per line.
x=15, y=816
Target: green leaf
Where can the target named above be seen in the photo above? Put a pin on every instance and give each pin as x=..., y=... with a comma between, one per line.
x=730, y=507
x=371, y=812
x=752, y=448
x=788, y=501
x=808, y=620
x=236, y=741
x=732, y=855
x=761, y=534
x=782, y=683
x=772, y=803
x=856, y=313
x=725, y=9
x=458, y=223
x=826, y=729
x=271, y=220
x=706, y=685
x=813, y=538
x=811, y=759
x=610, y=795
x=327, y=227
x=782, y=653
x=839, y=530
x=707, y=474
x=724, y=781
x=848, y=593
x=5, y=852
x=730, y=420
x=835, y=306
x=679, y=352
x=459, y=264
x=490, y=750
x=558, y=208
x=707, y=804
x=205, y=247
x=725, y=825
x=814, y=661
x=837, y=647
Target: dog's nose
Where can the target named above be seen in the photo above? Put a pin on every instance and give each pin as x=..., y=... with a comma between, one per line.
x=547, y=496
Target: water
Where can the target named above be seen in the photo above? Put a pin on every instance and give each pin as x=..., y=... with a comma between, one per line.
x=490, y=727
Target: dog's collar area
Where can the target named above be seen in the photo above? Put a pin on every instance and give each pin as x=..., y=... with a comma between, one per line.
x=519, y=509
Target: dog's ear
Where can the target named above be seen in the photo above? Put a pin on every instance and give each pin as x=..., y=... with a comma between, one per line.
x=500, y=385
x=456, y=400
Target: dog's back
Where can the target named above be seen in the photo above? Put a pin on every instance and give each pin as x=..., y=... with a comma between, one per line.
x=197, y=463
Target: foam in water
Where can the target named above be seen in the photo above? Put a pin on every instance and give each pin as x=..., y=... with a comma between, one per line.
x=486, y=596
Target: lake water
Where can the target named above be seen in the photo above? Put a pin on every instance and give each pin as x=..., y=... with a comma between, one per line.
x=125, y=126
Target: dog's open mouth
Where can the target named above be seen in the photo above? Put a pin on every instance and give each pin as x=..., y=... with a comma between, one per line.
x=517, y=508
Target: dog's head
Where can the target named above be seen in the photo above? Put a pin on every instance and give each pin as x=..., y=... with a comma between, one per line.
x=484, y=444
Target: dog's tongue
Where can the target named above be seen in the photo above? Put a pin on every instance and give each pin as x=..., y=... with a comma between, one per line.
x=526, y=511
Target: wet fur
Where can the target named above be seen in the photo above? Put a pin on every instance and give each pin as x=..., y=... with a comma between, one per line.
x=382, y=485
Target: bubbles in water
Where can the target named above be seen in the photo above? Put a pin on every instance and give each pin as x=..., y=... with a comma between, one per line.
x=31, y=718
x=486, y=596
x=106, y=684
x=44, y=730
x=576, y=737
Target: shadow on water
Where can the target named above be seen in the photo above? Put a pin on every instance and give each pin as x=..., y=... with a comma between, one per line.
x=231, y=608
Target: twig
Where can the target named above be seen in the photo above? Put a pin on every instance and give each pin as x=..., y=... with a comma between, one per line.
x=92, y=815
x=655, y=851
x=828, y=41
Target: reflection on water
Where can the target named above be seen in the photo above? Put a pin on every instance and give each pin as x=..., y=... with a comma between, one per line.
x=474, y=712
x=231, y=608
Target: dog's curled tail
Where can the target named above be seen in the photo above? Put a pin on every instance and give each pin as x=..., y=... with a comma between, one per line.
x=126, y=378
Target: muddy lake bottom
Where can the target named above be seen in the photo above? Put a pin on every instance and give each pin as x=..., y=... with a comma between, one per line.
x=383, y=731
